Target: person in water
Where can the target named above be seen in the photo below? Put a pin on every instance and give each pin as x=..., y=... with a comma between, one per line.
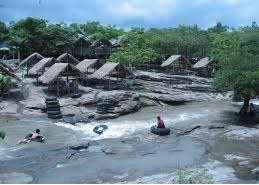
x=30, y=137
x=160, y=122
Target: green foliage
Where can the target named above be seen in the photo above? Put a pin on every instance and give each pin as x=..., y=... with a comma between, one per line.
x=2, y=134
x=239, y=63
x=193, y=176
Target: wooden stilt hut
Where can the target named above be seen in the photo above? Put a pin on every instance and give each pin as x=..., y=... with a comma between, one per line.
x=112, y=70
x=53, y=76
x=205, y=67
x=30, y=61
x=68, y=58
x=177, y=64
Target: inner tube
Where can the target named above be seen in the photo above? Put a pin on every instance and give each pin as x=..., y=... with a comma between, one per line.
x=99, y=129
x=52, y=102
x=39, y=139
x=160, y=131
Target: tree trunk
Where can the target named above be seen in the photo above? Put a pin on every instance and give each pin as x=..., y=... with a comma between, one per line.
x=244, y=109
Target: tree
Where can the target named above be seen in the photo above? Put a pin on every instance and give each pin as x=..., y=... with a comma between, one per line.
x=239, y=68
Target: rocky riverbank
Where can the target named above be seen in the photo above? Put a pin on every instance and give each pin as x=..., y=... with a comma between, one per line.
x=153, y=89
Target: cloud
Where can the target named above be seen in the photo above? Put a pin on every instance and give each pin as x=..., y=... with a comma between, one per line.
x=128, y=13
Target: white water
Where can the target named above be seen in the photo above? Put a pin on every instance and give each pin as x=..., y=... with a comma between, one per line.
x=117, y=128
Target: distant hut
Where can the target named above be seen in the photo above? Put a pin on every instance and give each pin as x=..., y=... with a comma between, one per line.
x=31, y=60
x=102, y=48
x=177, y=64
x=204, y=67
x=113, y=69
x=39, y=68
x=109, y=70
x=82, y=47
x=68, y=58
x=53, y=76
x=86, y=64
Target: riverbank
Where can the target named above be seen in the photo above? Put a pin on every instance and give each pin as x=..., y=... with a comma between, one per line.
x=127, y=152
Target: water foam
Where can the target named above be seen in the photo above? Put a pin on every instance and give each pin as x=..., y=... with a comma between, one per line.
x=118, y=129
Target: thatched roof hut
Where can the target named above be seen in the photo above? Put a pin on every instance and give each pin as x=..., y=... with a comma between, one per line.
x=174, y=59
x=109, y=69
x=204, y=62
x=31, y=60
x=7, y=72
x=43, y=63
x=60, y=69
x=87, y=63
x=68, y=58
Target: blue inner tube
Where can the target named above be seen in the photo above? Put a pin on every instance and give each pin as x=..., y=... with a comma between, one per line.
x=99, y=129
x=160, y=131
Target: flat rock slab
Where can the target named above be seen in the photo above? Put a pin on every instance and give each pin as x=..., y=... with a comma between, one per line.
x=15, y=178
x=7, y=107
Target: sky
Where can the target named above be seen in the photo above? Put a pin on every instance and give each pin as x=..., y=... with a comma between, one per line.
x=135, y=13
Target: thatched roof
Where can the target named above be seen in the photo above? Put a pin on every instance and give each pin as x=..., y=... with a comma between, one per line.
x=68, y=58
x=112, y=68
x=6, y=71
x=41, y=65
x=202, y=62
x=173, y=59
x=85, y=64
x=59, y=69
x=31, y=60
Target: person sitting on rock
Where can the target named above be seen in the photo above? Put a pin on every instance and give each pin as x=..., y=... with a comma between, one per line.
x=30, y=137
x=160, y=122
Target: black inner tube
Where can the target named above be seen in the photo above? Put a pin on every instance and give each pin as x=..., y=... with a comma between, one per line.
x=99, y=131
x=160, y=131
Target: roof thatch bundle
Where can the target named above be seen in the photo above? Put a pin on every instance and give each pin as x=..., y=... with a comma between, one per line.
x=31, y=60
x=45, y=62
x=202, y=62
x=174, y=58
x=59, y=69
x=112, y=69
x=68, y=58
x=85, y=64
x=7, y=72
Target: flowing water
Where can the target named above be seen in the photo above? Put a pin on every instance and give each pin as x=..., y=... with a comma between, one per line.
x=136, y=154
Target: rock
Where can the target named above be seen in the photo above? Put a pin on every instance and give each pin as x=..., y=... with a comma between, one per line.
x=8, y=107
x=145, y=102
x=86, y=99
x=105, y=116
x=74, y=110
x=173, y=79
x=169, y=98
x=35, y=96
x=126, y=107
x=255, y=173
x=79, y=146
x=15, y=178
x=118, y=95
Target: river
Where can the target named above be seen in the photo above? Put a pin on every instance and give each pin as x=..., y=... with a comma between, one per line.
x=128, y=153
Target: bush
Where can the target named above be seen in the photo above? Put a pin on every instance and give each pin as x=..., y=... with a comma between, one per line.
x=193, y=176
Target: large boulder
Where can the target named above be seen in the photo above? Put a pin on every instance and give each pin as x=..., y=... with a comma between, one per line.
x=126, y=107
x=117, y=95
